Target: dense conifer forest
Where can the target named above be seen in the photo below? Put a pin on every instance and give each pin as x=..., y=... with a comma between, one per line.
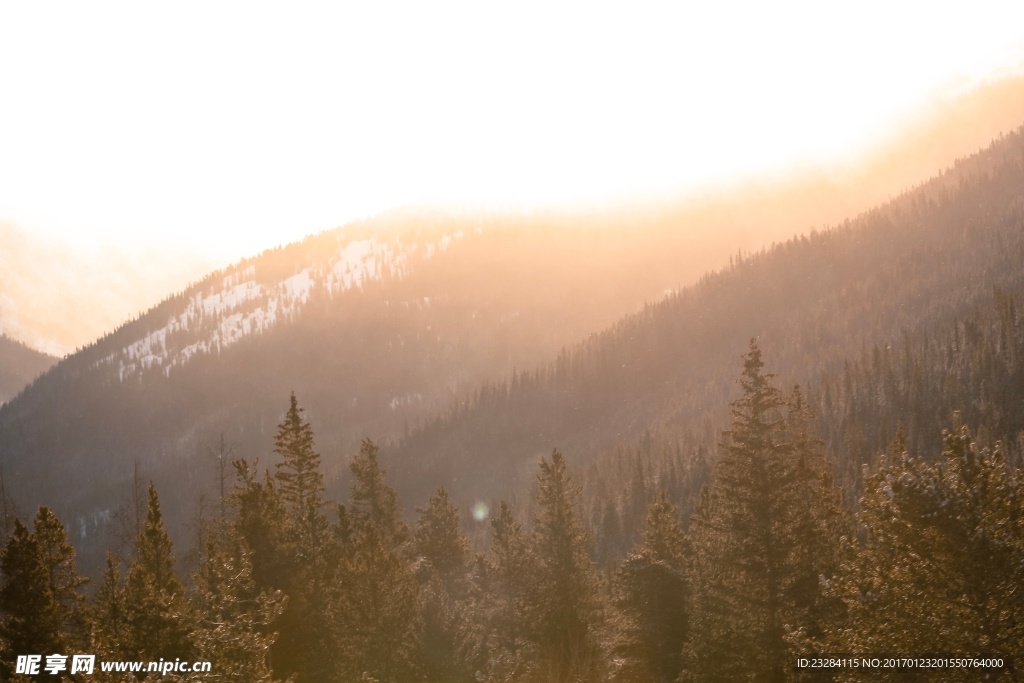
x=458, y=385
x=900, y=316
x=769, y=566
x=815, y=451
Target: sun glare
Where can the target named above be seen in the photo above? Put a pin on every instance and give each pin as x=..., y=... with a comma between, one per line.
x=237, y=127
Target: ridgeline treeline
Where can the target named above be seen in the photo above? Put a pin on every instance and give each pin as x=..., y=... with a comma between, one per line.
x=768, y=564
x=691, y=530
x=899, y=316
x=19, y=365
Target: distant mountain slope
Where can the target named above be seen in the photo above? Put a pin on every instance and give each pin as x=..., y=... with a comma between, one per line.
x=924, y=263
x=57, y=298
x=382, y=326
x=376, y=326
x=19, y=365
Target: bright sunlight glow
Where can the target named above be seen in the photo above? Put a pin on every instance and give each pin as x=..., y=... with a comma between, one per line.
x=235, y=127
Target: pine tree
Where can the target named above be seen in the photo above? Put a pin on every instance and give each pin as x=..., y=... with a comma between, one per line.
x=652, y=593
x=563, y=606
x=259, y=520
x=449, y=644
x=283, y=525
x=156, y=610
x=943, y=561
x=58, y=558
x=109, y=620
x=738, y=554
x=42, y=607
x=380, y=626
x=374, y=501
x=821, y=529
x=29, y=615
x=762, y=539
x=300, y=481
x=234, y=631
x=285, y=559
x=440, y=541
x=506, y=585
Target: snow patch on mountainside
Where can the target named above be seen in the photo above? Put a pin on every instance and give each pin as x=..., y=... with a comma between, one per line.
x=212, y=321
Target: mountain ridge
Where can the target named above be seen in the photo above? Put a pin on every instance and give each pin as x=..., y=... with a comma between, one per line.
x=395, y=351
x=924, y=259
x=19, y=365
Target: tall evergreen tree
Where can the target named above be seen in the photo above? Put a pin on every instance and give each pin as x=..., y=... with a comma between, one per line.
x=29, y=615
x=156, y=610
x=738, y=552
x=299, y=478
x=821, y=528
x=374, y=501
x=652, y=592
x=563, y=605
x=259, y=520
x=439, y=540
x=312, y=553
x=449, y=642
x=109, y=620
x=943, y=561
x=234, y=630
x=761, y=539
x=58, y=558
x=506, y=583
x=281, y=521
x=42, y=609
x=380, y=627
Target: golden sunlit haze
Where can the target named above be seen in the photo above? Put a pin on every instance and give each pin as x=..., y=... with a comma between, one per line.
x=233, y=127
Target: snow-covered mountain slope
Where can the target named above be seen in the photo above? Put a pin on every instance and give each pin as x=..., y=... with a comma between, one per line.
x=237, y=305
x=381, y=327
x=376, y=327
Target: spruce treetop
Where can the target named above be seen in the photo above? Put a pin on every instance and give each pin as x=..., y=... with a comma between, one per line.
x=31, y=615
x=298, y=473
x=763, y=534
x=756, y=414
x=439, y=536
x=664, y=539
x=374, y=501
x=156, y=610
x=154, y=550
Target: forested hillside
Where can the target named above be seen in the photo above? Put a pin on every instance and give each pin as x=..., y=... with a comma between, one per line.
x=769, y=577
x=625, y=512
x=701, y=360
x=379, y=325
x=19, y=365
x=375, y=325
x=899, y=316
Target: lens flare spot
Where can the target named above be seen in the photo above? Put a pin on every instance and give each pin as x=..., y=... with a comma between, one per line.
x=480, y=511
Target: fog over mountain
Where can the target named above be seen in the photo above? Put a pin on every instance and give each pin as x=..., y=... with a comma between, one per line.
x=440, y=327
x=693, y=440
x=56, y=296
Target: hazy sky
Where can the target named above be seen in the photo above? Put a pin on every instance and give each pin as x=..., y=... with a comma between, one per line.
x=234, y=127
